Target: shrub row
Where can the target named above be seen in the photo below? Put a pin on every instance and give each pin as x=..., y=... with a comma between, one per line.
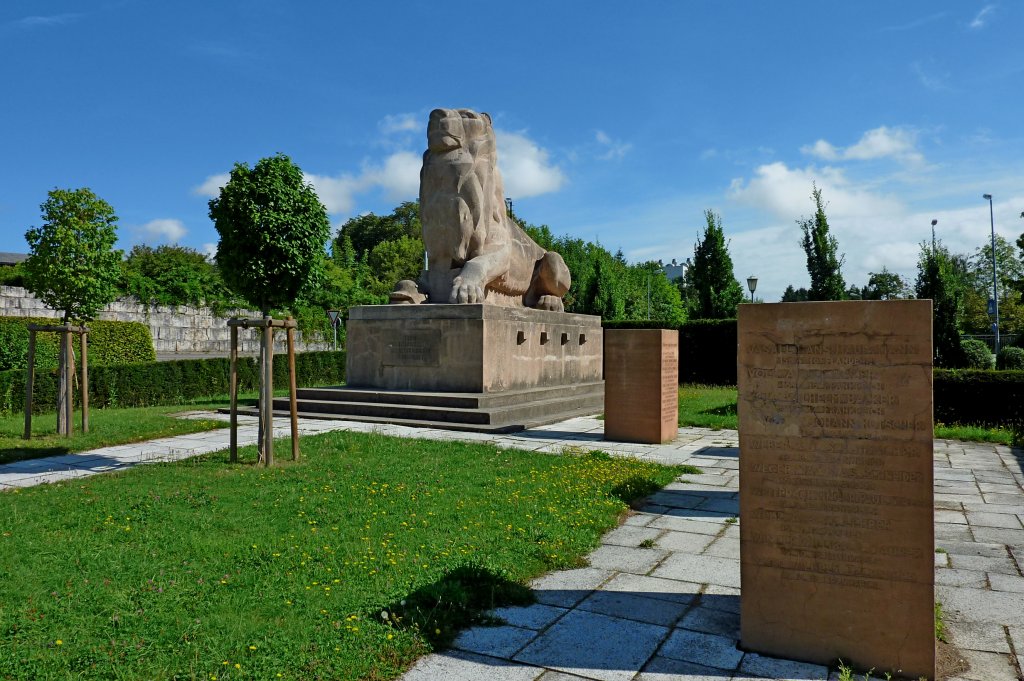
x=978, y=397
x=175, y=382
x=707, y=348
x=109, y=343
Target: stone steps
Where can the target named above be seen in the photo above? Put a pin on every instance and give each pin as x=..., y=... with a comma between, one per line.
x=480, y=412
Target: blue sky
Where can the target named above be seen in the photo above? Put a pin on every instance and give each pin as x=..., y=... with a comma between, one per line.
x=620, y=122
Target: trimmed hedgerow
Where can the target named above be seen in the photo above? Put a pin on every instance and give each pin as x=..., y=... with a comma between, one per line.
x=978, y=397
x=109, y=343
x=157, y=383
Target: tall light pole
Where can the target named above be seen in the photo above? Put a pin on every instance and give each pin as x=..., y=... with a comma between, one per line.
x=934, y=222
x=995, y=289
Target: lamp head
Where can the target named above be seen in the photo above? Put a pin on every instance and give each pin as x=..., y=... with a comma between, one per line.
x=987, y=197
x=934, y=222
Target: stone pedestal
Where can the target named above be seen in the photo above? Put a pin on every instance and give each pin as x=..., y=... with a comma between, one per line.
x=470, y=348
x=641, y=385
x=836, y=541
x=467, y=367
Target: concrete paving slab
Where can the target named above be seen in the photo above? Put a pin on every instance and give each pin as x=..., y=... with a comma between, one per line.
x=536, y=616
x=1007, y=520
x=626, y=559
x=684, y=541
x=988, y=667
x=712, y=621
x=760, y=666
x=595, y=646
x=460, y=666
x=503, y=641
x=653, y=587
x=709, y=650
x=1002, y=564
x=633, y=606
x=970, y=579
x=998, y=534
x=703, y=569
x=724, y=547
x=980, y=605
x=667, y=669
x=630, y=535
x=567, y=588
x=1001, y=582
x=985, y=636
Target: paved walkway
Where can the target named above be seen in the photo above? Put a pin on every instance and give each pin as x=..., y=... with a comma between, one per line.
x=660, y=598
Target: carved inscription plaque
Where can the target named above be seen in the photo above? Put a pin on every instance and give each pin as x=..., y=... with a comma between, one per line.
x=641, y=385
x=413, y=348
x=835, y=419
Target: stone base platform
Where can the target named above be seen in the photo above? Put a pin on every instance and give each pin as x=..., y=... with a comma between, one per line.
x=503, y=412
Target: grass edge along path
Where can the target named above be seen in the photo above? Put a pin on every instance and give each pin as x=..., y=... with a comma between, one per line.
x=710, y=406
x=350, y=564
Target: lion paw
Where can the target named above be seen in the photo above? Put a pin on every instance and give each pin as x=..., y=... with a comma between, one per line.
x=553, y=303
x=466, y=292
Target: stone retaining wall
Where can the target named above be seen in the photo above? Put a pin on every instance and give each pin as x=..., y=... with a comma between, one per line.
x=178, y=329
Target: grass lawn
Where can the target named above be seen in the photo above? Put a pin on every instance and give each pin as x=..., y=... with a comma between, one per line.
x=349, y=564
x=715, y=407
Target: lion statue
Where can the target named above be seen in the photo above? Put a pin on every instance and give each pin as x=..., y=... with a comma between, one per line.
x=475, y=252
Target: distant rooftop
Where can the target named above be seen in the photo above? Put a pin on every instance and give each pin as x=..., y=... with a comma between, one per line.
x=12, y=258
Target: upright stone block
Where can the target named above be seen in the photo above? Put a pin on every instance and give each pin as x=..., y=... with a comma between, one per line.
x=835, y=420
x=641, y=385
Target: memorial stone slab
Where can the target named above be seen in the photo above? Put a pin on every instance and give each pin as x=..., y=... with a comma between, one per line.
x=641, y=386
x=835, y=421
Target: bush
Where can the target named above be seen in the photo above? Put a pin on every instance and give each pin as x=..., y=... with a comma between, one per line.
x=156, y=383
x=973, y=397
x=978, y=354
x=1011, y=358
x=109, y=343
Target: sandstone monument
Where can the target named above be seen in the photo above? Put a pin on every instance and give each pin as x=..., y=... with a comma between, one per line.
x=835, y=420
x=476, y=253
x=481, y=340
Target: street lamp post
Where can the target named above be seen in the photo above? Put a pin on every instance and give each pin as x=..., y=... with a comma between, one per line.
x=934, y=222
x=995, y=289
x=752, y=285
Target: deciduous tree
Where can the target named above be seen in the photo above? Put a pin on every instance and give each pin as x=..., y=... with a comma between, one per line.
x=73, y=267
x=941, y=278
x=823, y=262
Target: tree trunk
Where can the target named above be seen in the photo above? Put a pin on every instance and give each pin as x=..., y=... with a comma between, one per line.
x=63, y=422
x=261, y=428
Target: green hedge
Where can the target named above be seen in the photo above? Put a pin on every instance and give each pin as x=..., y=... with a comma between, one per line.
x=156, y=383
x=707, y=348
x=109, y=343
x=978, y=397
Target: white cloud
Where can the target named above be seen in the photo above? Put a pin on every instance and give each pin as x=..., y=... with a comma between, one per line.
x=405, y=122
x=39, y=21
x=931, y=81
x=881, y=142
x=163, y=230
x=211, y=186
x=614, y=149
x=525, y=166
x=209, y=249
x=981, y=17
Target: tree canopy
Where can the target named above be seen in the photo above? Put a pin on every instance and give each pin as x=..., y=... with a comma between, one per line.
x=823, y=262
x=272, y=232
x=709, y=285
x=72, y=265
x=173, y=275
x=941, y=277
